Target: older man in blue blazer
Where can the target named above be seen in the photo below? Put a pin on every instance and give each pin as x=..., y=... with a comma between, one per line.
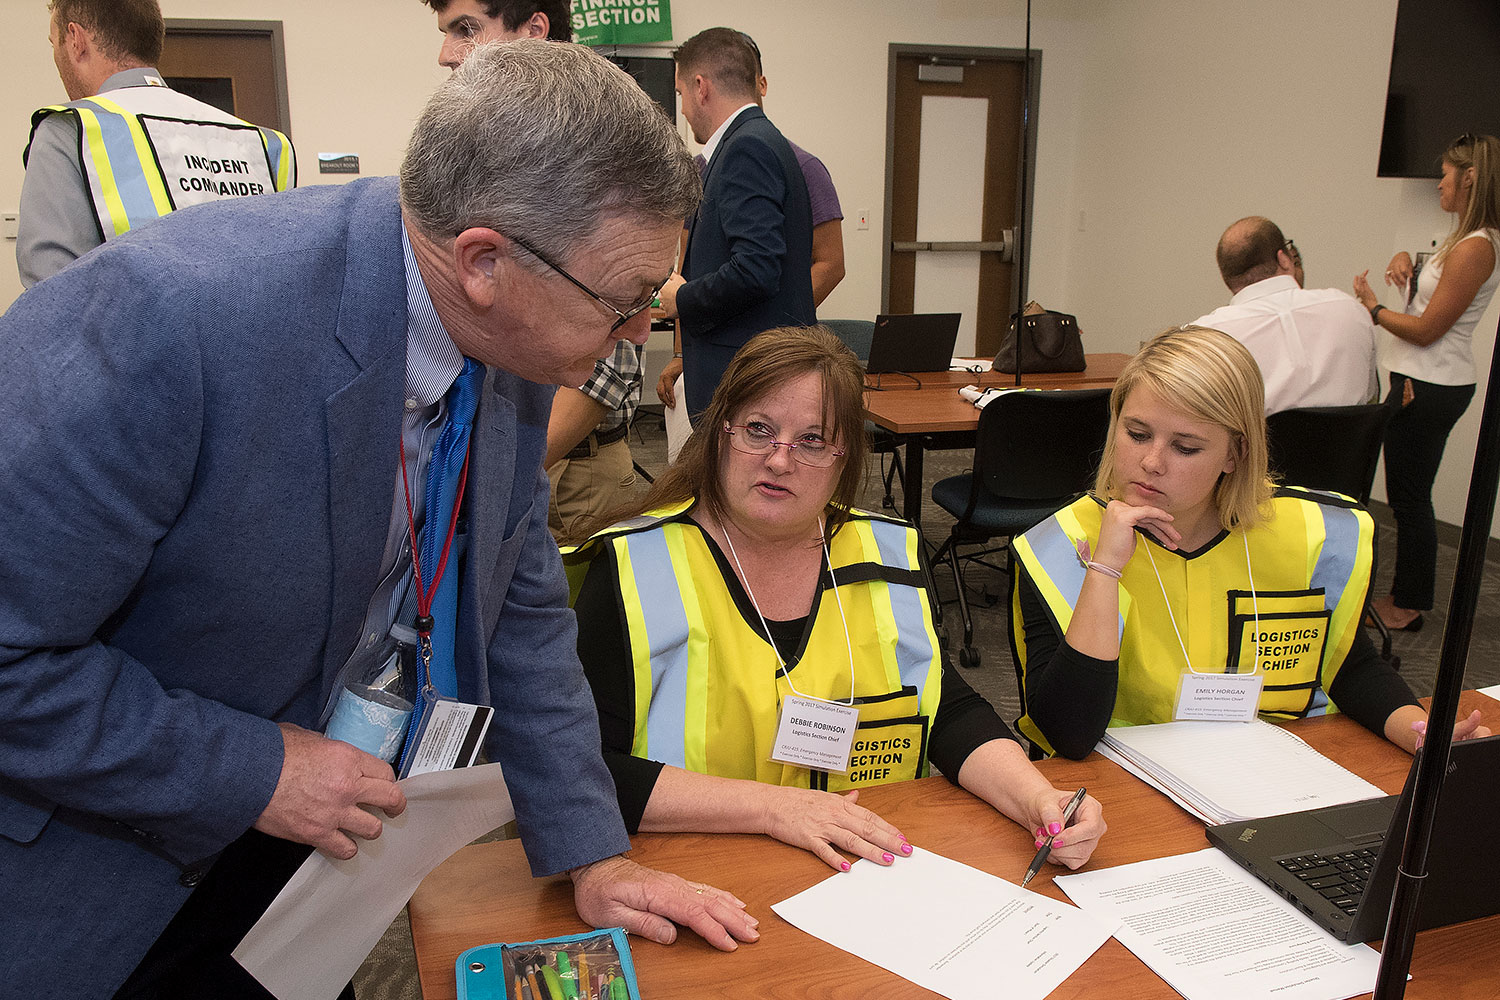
x=205, y=505
x=749, y=247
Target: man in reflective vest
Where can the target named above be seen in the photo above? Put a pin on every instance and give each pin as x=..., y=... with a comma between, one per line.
x=101, y=165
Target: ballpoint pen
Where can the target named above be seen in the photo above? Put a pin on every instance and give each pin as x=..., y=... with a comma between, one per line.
x=1046, y=848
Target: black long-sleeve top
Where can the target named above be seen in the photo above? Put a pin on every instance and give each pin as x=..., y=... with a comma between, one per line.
x=964, y=719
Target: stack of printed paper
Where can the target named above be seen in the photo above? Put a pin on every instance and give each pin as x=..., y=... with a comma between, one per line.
x=1223, y=772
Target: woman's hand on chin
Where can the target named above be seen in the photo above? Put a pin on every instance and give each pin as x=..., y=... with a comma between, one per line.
x=1117, y=532
x=826, y=823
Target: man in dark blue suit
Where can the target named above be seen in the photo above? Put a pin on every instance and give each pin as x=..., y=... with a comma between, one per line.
x=209, y=423
x=749, y=250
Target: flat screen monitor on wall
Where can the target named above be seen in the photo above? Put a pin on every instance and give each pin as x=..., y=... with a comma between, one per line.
x=1445, y=81
x=656, y=75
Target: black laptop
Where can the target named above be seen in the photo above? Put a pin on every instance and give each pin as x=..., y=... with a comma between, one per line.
x=918, y=342
x=1338, y=863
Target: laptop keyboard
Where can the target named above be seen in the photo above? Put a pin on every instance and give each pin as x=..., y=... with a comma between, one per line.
x=1339, y=878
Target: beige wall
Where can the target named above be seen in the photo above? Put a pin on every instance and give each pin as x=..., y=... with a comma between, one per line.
x=1160, y=122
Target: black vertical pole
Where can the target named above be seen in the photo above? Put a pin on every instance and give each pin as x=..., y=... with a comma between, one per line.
x=1401, y=926
x=1020, y=249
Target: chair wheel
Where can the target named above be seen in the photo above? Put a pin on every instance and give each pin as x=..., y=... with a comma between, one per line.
x=968, y=658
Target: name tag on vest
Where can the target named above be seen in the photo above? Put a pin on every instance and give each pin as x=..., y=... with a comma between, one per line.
x=815, y=734
x=1218, y=697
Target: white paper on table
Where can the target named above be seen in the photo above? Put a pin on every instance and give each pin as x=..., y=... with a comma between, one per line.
x=313, y=937
x=679, y=428
x=947, y=927
x=1493, y=691
x=1214, y=932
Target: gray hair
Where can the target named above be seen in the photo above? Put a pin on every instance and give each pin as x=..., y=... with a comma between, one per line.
x=543, y=140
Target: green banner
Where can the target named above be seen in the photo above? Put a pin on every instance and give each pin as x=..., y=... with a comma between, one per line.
x=621, y=22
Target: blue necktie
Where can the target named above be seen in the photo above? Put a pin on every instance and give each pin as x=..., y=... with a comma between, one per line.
x=444, y=472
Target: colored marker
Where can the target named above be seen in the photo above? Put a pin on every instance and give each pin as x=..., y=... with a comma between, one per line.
x=553, y=983
x=568, y=975
x=583, y=975
x=536, y=991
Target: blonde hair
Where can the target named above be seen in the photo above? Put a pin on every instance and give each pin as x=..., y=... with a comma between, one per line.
x=1211, y=377
x=1482, y=153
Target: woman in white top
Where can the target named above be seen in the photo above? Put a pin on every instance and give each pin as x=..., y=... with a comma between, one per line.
x=1429, y=353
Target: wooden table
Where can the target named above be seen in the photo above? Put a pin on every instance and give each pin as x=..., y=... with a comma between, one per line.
x=485, y=893
x=925, y=411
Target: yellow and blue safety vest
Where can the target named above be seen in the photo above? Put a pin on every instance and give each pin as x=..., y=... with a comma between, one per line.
x=707, y=682
x=1311, y=565
x=142, y=159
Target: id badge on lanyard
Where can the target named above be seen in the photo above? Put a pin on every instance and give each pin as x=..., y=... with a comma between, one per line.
x=815, y=734
x=1218, y=697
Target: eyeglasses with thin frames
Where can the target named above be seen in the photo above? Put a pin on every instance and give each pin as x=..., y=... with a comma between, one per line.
x=756, y=439
x=625, y=317
x=1290, y=246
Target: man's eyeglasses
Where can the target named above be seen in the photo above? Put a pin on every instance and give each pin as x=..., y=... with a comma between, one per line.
x=625, y=317
x=757, y=439
x=1290, y=246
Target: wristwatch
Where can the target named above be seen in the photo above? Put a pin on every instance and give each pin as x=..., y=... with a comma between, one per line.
x=1375, y=313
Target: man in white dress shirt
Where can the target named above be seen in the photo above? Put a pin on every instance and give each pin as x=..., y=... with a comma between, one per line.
x=1315, y=347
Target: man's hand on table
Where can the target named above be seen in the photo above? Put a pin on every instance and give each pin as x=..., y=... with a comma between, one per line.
x=618, y=892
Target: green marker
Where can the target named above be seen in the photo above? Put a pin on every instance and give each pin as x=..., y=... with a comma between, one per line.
x=618, y=990
x=554, y=983
x=569, y=977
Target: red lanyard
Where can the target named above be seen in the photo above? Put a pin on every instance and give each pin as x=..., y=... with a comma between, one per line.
x=425, y=595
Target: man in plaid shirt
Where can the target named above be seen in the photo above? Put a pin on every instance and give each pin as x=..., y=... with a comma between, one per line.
x=588, y=458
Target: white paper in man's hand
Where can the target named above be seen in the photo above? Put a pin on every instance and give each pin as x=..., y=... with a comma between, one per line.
x=314, y=936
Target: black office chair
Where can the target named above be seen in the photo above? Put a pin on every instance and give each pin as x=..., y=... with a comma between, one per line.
x=857, y=334
x=1332, y=448
x=1034, y=453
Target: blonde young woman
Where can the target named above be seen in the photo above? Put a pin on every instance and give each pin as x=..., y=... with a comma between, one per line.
x=1428, y=350
x=746, y=586
x=1187, y=559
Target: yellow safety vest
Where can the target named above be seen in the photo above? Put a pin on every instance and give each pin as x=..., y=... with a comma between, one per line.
x=707, y=684
x=140, y=164
x=1311, y=565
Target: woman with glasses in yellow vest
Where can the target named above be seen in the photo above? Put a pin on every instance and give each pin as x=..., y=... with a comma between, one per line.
x=1187, y=585
x=760, y=651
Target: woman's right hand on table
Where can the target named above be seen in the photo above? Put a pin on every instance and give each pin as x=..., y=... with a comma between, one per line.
x=826, y=823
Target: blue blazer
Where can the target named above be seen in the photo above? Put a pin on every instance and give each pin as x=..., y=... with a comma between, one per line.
x=749, y=253
x=199, y=459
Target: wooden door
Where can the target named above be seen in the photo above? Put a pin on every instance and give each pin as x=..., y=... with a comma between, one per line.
x=237, y=66
x=954, y=187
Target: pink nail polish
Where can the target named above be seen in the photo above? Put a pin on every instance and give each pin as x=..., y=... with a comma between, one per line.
x=1054, y=828
x=844, y=865
x=905, y=848
x=888, y=857
x=1039, y=842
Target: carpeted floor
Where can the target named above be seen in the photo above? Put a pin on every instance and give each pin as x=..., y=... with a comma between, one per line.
x=390, y=971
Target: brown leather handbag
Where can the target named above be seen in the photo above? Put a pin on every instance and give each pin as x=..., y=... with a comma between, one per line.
x=1050, y=342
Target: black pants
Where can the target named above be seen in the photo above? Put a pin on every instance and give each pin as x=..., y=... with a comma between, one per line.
x=191, y=959
x=1414, y=442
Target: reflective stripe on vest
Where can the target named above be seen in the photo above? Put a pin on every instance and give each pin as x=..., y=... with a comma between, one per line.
x=1311, y=565
x=122, y=165
x=692, y=650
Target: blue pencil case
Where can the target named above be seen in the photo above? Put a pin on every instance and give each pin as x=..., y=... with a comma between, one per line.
x=593, y=966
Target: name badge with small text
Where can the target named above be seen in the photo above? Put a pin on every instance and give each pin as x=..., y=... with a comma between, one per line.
x=815, y=734
x=1218, y=697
